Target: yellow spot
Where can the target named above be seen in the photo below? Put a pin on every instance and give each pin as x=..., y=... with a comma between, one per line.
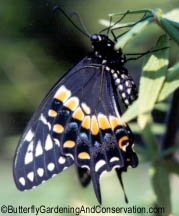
x=62, y=94
x=52, y=113
x=72, y=103
x=94, y=126
x=103, y=122
x=114, y=122
x=69, y=144
x=121, y=140
x=58, y=128
x=78, y=114
x=86, y=108
x=83, y=155
x=159, y=12
x=86, y=122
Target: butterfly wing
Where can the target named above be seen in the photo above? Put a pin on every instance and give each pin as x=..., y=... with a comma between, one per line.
x=77, y=122
x=127, y=89
x=93, y=136
x=38, y=155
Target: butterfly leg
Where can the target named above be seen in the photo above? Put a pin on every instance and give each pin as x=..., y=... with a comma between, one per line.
x=140, y=55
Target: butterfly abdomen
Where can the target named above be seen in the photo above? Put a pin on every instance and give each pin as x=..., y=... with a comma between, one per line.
x=126, y=86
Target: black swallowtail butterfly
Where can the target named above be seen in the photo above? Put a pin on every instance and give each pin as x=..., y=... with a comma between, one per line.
x=78, y=123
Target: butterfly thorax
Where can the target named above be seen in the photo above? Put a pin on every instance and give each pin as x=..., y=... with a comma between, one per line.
x=112, y=60
x=105, y=53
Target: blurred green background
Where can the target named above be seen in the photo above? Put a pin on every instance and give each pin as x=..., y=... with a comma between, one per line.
x=36, y=48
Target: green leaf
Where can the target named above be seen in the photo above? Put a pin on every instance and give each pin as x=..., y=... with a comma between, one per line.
x=161, y=185
x=122, y=41
x=157, y=128
x=131, y=113
x=171, y=83
x=172, y=15
x=163, y=107
x=154, y=12
x=140, y=150
x=171, y=28
x=153, y=76
x=119, y=25
x=175, y=24
x=150, y=139
x=142, y=119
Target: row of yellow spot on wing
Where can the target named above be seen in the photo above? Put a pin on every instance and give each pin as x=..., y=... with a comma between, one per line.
x=101, y=122
x=88, y=122
x=72, y=103
x=93, y=123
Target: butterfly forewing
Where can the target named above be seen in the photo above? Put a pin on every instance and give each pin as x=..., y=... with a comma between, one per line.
x=38, y=155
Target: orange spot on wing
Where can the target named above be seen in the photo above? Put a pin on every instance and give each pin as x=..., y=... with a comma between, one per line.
x=58, y=128
x=103, y=122
x=114, y=122
x=86, y=122
x=121, y=140
x=94, y=126
x=62, y=94
x=78, y=114
x=52, y=113
x=83, y=155
x=86, y=108
x=72, y=103
x=69, y=144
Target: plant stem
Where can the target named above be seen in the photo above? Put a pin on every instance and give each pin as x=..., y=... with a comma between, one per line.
x=172, y=123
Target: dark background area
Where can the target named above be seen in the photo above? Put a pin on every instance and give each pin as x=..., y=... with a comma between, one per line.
x=36, y=47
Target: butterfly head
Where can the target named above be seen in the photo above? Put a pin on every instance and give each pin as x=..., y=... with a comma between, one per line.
x=101, y=41
x=104, y=48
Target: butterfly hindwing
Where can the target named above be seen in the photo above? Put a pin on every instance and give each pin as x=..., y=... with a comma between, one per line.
x=100, y=142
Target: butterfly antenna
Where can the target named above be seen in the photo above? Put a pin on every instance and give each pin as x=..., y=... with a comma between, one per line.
x=80, y=21
x=68, y=17
x=115, y=23
x=108, y=29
